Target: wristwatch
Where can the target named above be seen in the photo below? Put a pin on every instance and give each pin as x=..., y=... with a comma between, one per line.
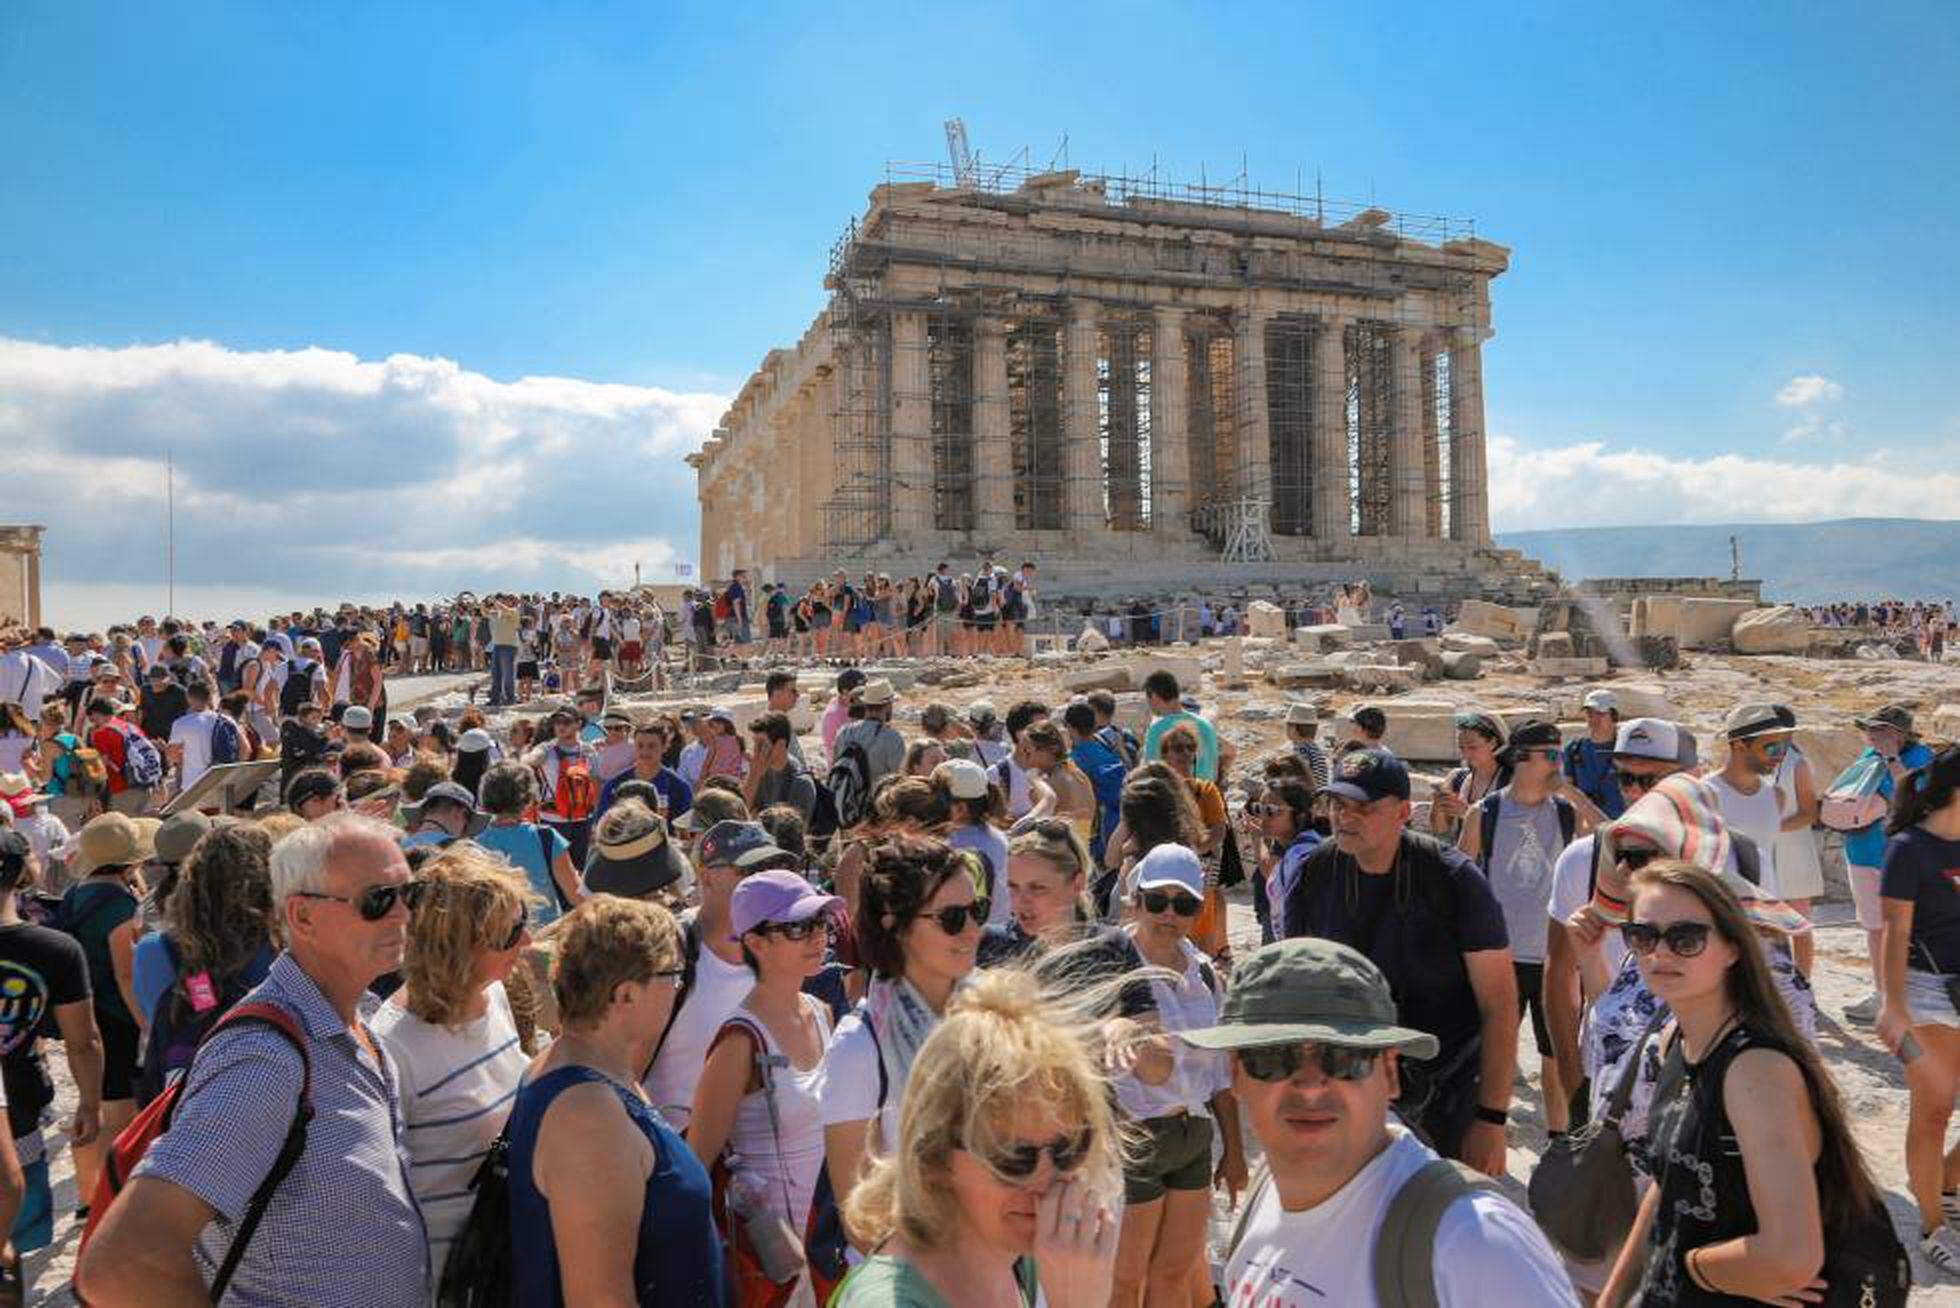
x=1495, y=1116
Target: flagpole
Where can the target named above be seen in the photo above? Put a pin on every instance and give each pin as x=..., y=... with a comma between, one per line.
x=170, y=540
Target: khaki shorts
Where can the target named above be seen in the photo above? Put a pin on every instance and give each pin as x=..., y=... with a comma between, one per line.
x=1177, y=1157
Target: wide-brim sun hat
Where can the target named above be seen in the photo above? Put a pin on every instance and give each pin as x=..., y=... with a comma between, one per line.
x=1308, y=990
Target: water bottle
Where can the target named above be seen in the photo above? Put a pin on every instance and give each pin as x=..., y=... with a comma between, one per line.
x=776, y=1247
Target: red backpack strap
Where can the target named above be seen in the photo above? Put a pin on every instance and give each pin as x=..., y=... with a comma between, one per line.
x=281, y=1020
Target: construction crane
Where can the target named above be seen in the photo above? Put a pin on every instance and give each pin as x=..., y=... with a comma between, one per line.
x=964, y=173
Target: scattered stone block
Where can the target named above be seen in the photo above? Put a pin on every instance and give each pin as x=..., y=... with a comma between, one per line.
x=1091, y=641
x=1945, y=724
x=1097, y=676
x=1555, y=645
x=1640, y=700
x=1461, y=665
x=1366, y=632
x=1422, y=731
x=1295, y=675
x=1424, y=654
x=1393, y=678
x=1188, y=670
x=1779, y=630
x=1482, y=618
x=1569, y=667
x=1264, y=619
x=1320, y=639
x=1831, y=749
x=1458, y=642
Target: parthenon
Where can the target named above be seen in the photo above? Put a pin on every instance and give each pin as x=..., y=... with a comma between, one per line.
x=1110, y=370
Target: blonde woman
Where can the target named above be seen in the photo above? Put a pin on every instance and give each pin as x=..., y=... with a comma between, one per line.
x=1004, y=1182
x=451, y=1029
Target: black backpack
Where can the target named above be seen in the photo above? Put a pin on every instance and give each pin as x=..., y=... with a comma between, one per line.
x=298, y=687
x=478, y=1271
x=178, y=1028
x=849, y=784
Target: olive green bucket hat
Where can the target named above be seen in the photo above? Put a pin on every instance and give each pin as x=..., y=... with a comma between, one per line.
x=1309, y=990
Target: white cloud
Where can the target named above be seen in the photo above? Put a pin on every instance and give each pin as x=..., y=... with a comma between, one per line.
x=319, y=475
x=1802, y=392
x=1588, y=485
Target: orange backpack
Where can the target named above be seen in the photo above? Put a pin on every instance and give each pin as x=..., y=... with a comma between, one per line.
x=576, y=796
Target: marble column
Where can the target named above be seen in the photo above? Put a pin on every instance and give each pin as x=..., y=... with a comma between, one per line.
x=1083, y=496
x=1407, y=513
x=1332, y=511
x=911, y=429
x=1170, y=437
x=1249, y=394
x=993, y=455
x=1469, y=478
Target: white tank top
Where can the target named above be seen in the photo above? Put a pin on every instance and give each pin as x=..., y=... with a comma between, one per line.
x=786, y=1154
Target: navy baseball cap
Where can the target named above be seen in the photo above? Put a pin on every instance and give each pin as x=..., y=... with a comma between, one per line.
x=1366, y=775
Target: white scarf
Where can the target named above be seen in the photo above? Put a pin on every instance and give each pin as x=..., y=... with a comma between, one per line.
x=900, y=1020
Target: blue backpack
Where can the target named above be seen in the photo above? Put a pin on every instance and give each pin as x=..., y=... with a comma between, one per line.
x=225, y=741
x=142, y=763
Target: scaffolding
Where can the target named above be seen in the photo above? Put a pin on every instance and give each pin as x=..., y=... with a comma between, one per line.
x=949, y=375
x=1371, y=426
x=1123, y=423
x=1290, y=422
x=1035, y=431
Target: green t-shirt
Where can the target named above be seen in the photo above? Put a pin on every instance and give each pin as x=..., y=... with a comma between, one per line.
x=882, y=1281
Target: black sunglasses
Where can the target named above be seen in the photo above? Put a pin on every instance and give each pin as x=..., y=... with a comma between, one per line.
x=953, y=919
x=376, y=902
x=1019, y=1161
x=1683, y=939
x=1635, y=859
x=1282, y=1062
x=517, y=930
x=1156, y=901
x=795, y=930
x=1634, y=780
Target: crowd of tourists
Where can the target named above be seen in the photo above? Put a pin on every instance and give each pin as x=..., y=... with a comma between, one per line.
x=1928, y=624
x=697, y=1009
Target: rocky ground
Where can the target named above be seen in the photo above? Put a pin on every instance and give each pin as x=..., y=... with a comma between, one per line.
x=1234, y=689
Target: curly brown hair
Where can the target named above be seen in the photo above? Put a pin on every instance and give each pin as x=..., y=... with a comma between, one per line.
x=220, y=914
x=901, y=876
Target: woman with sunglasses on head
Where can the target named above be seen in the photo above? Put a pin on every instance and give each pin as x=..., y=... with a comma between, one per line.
x=1001, y=1190
x=451, y=1029
x=1918, y=1018
x=607, y=1204
x=760, y=1094
x=1160, y=1258
x=919, y=915
x=1156, y=809
x=1756, y=1171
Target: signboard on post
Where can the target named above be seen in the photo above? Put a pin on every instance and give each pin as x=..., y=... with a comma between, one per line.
x=224, y=786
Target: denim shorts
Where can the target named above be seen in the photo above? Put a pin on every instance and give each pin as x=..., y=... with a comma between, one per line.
x=1927, y=1000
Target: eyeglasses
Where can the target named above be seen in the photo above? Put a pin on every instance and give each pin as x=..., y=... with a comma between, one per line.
x=1683, y=939
x=797, y=930
x=376, y=902
x=953, y=918
x=517, y=930
x=1634, y=780
x=1635, y=859
x=1775, y=748
x=1180, y=749
x=1019, y=1161
x=1156, y=901
x=1549, y=755
x=1267, y=810
x=1271, y=1063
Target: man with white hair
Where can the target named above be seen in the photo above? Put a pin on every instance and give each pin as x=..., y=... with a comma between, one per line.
x=344, y=1229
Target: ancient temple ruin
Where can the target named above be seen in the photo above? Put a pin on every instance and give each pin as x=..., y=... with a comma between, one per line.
x=1118, y=376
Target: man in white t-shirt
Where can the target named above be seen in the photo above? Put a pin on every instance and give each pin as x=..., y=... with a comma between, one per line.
x=1758, y=738
x=725, y=853
x=190, y=737
x=1316, y=1060
x=25, y=679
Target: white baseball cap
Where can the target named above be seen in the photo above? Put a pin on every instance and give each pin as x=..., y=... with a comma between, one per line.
x=1600, y=700
x=1655, y=738
x=1171, y=865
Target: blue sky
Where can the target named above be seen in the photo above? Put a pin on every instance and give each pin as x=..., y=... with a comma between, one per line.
x=1707, y=204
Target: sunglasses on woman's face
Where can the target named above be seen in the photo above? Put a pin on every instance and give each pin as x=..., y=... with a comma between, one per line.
x=1180, y=749
x=1158, y=901
x=954, y=918
x=1683, y=939
x=517, y=930
x=376, y=902
x=1635, y=859
x=1634, y=780
x=794, y=930
x=1282, y=1062
x=1017, y=1162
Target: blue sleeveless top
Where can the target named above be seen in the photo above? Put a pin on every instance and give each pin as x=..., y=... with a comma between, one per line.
x=678, y=1261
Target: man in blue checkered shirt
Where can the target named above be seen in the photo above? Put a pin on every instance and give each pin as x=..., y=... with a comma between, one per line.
x=343, y=1227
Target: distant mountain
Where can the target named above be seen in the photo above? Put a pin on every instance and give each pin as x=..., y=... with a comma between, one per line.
x=1798, y=562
